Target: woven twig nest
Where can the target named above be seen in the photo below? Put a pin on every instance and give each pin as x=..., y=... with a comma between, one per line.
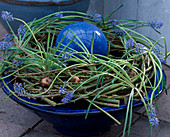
x=42, y=71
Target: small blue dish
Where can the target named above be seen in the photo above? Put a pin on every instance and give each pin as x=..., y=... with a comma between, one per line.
x=70, y=119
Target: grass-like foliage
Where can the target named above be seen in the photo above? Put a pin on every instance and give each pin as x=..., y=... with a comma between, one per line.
x=126, y=74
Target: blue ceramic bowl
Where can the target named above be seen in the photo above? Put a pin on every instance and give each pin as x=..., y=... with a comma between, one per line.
x=84, y=31
x=70, y=119
x=29, y=10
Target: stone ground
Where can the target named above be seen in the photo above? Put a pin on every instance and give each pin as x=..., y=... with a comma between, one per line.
x=16, y=121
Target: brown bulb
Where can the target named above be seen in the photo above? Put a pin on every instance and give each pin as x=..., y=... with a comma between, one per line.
x=46, y=82
x=75, y=79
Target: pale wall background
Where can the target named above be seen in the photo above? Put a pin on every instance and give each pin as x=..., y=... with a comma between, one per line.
x=145, y=10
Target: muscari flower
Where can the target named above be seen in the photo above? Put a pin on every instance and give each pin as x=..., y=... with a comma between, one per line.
x=8, y=37
x=119, y=31
x=62, y=88
x=154, y=121
x=155, y=24
x=19, y=88
x=17, y=62
x=59, y=15
x=7, y=16
x=5, y=45
x=68, y=97
x=152, y=116
x=140, y=48
x=113, y=22
x=95, y=16
x=129, y=44
x=21, y=30
x=160, y=55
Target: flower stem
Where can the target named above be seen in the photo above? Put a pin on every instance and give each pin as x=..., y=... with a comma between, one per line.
x=38, y=44
x=105, y=112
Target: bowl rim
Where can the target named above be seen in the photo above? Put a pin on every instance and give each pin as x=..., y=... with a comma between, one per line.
x=42, y=3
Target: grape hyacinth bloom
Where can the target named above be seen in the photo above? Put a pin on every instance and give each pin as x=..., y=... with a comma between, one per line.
x=8, y=37
x=155, y=24
x=95, y=16
x=19, y=88
x=21, y=30
x=5, y=45
x=140, y=48
x=152, y=116
x=62, y=88
x=129, y=44
x=58, y=15
x=113, y=22
x=68, y=97
x=17, y=62
x=160, y=55
x=118, y=31
x=7, y=16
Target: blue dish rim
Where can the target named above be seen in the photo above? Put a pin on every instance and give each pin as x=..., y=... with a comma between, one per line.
x=61, y=111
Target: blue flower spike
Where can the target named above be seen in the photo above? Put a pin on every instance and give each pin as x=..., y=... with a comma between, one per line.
x=59, y=15
x=119, y=31
x=68, y=97
x=19, y=88
x=62, y=88
x=140, y=48
x=8, y=37
x=160, y=55
x=115, y=22
x=155, y=24
x=129, y=44
x=94, y=16
x=7, y=16
x=5, y=45
x=17, y=62
x=152, y=116
x=21, y=30
x=116, y=30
